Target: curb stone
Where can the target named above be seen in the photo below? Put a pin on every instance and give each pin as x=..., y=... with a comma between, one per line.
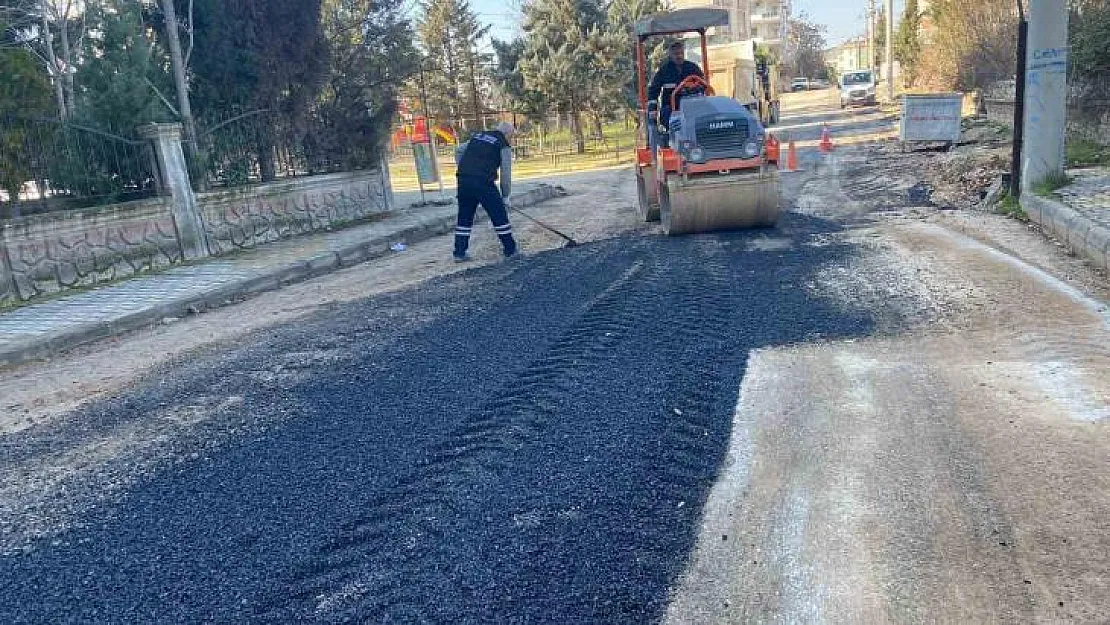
x=422, y=227
x=1076, y=231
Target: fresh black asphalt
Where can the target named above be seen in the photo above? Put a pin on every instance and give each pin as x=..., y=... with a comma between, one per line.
x=528, y=442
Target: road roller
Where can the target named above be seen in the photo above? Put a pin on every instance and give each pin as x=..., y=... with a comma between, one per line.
x=711, y=166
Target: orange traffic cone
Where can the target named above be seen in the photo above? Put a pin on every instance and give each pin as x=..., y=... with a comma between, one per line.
x=792, y=158
x=826, y=140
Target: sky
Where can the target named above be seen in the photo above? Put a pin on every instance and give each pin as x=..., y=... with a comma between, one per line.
x=843, y=19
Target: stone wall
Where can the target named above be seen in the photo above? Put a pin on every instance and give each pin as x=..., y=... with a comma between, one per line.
x=44, y=254
x=1090, y=120
x=48, y=253
x=243, y=218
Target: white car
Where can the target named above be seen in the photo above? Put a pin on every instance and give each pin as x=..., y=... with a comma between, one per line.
x=857, y=88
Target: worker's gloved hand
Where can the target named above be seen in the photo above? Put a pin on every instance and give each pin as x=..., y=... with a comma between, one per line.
x=653, y=111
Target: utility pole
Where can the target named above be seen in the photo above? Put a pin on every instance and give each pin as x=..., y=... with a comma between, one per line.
x=1045, y=92
x=871, y=35
x=890, y=50
x=1019, y=103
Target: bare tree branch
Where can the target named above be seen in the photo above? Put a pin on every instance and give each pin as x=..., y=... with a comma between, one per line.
x=162, y=97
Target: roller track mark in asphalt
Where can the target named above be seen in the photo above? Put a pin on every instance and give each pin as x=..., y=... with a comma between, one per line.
x=485, y=441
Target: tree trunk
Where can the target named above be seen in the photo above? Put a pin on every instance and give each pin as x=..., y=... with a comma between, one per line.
x=59, y=92
x=67, y=58
x=181, y=85
x=576, y=125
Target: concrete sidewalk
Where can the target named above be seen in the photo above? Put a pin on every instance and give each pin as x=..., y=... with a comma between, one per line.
x=40, y=330
x=1078, y=215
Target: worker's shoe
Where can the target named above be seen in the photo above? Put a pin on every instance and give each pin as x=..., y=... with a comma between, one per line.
x=516, y=254
x=461, y=258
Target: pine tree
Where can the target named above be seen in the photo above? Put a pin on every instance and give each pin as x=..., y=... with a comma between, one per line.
x=622, y=16
x=371, y=54
x=560, y=60
x=510, y=81
x=907, y=47
x=450, y=33
x=259, y=55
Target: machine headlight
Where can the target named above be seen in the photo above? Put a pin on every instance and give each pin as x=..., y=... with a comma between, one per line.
x=751, y=150
x=697, y=154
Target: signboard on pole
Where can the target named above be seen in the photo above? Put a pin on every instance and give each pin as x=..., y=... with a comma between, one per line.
x=423, y=151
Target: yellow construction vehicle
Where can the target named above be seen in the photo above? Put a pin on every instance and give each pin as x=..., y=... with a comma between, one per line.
x=711, y=166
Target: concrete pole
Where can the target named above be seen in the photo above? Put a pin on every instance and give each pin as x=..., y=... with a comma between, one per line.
x=890, y=50
x=166, y=139
x=1045, y=92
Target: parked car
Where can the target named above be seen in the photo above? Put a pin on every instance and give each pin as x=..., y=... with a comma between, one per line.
x=857, y=88
x=819, y=83
x=799, y=84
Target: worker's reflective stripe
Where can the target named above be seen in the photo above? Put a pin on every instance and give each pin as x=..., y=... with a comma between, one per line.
x=466, y=228
x=670, y=85
x=505, y=229
x=459, y=232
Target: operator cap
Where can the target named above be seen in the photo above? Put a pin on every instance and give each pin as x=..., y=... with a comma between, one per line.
x=506, y=129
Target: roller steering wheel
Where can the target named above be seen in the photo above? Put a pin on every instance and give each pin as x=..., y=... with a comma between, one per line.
x=693, y=80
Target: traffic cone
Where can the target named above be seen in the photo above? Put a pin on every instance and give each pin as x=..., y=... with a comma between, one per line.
x=826, y=140
x=792, y=158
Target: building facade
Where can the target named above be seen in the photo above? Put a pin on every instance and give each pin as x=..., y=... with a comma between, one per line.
x=764, y=21
x=848, y=56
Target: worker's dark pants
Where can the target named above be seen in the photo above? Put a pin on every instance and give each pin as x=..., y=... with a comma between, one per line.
x=471, y=193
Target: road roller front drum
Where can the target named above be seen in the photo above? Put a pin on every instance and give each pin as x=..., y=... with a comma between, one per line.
x=747, y=199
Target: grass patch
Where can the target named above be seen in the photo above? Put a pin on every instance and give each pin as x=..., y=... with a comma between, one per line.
x=1086, y=153
x=1010, y=207
x=1050, y=183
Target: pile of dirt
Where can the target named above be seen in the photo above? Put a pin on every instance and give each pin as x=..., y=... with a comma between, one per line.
x=962, y=178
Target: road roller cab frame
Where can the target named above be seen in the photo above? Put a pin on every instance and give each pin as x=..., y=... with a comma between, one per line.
x=719, y=169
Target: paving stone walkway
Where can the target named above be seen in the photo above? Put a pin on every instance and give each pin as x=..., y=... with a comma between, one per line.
x=40, y=329
x=1089, y=194
x=1078, y=215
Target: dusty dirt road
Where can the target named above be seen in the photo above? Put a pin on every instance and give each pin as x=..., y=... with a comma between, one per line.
x=954, y=468
x=879, y=411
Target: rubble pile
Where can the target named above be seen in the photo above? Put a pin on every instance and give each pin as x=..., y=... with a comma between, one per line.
x=961, y=179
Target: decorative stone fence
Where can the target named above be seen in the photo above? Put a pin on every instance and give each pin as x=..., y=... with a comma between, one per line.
x=53, y=252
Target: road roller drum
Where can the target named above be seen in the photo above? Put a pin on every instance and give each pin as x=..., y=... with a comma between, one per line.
x=725, y=202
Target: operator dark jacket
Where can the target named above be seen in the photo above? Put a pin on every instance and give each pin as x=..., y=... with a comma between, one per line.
x=668, y=77
x=481, y=157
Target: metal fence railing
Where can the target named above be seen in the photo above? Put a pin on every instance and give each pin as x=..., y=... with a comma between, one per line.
x=253, y=147
x=50, y=164
x=548, y=137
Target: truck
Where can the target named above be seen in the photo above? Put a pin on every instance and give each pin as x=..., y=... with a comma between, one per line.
x=735, y=71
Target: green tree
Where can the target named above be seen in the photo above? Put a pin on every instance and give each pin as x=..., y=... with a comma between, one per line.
x=24, y=92
x=449, y=33
x=123, y=79
x=907, y=46
x=559, y=59
x=622, y=16
x=509, y=80
x=371, y=54
x=253, y=55
x=1089, y=24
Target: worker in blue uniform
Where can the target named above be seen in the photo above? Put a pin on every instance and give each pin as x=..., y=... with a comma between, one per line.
x=479, y=160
